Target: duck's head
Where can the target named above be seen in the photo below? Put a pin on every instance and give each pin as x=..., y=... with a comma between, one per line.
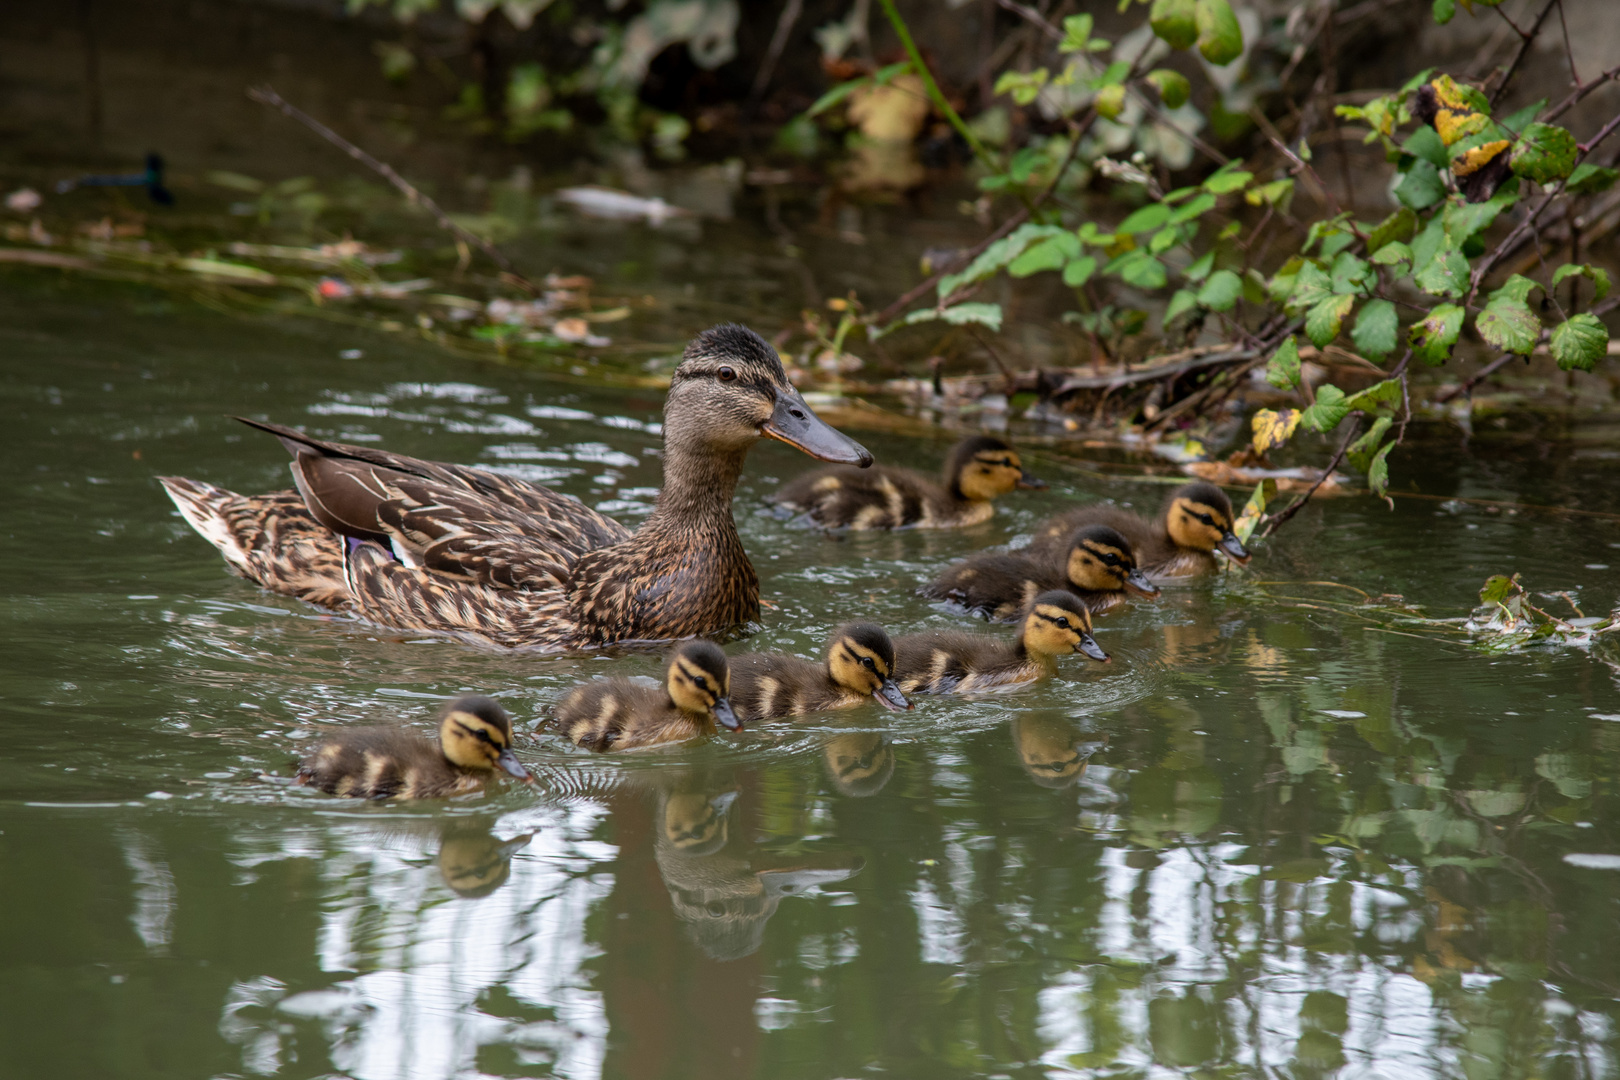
x=1101, y=559
x=982, y=467
x=731, y=390
x=1199, y=516
x=1049, y=750
x=860, y=658
x=859, y=762
x=476, y=733
x=699, y=682
x=1059, y=623
x=695, y=822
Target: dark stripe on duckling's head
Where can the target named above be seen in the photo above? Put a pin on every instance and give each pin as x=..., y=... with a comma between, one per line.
x=860, y=657
x=476, y=733
x=1057, y=623
x=1199, y=516
x=981, y=467
x=699, y=681
x=1102, y=560
x=859, y=762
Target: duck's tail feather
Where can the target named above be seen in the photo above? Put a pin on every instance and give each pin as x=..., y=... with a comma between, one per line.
x=204, y=508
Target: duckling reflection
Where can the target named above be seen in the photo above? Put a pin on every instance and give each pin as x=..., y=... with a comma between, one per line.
x=1052, y=750
x=859, y=763
x=724, y=892
x=473, y=861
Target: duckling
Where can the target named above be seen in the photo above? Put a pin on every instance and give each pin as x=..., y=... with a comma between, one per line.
x=1055, y=624
x=475, y=739
x=859, y=763
x=977, y=470
x=421, y=545
x=1196, y=520
x=617, y=714
x=999, y=585
x=1051, y=750
x=859, y=666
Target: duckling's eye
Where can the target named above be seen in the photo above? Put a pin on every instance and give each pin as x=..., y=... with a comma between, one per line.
x=700, y=682
x=866, y=662
x=727, y=374
x=1206, y=519
x=1061, y=621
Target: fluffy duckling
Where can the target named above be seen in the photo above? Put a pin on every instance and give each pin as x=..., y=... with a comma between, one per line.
x=617, y=714
x=998, y=585
x=1196, y=520
x=475, y=739
x=859, y=666
x=1055, y=624
x=978, y=469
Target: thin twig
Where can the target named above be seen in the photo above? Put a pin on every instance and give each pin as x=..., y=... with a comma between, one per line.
x=784, y=26
x=1526, y=39
x=267, y=96
x=935, y=94
x=1467, y=385
x=1299, y=504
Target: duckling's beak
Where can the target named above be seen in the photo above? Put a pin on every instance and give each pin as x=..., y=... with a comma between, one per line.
x=509, y=763
x=1028, y=481
x=792, y=422
x=889, y=696
x=1232, y=546
x=725, y=716
x=1138, y=583
x=1088, y=645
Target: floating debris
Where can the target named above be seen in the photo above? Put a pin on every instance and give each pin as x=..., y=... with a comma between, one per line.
x=614, y=205
x=23, y=201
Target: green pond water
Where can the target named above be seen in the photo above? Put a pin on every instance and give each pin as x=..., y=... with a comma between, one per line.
x=1301, y=846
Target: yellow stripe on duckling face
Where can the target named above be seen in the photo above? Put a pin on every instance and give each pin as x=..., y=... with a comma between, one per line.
x=989, y=473
x=470, y=741
x=691, y=688
x=1098, y=566
x=855, y=667
x=1197, y=525
x=1050, y=630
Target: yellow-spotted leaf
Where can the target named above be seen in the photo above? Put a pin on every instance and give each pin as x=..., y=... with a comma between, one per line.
x=1272, y=428
x=1254, y=510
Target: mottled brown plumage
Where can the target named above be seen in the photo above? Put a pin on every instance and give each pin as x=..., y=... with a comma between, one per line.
x=1196, y=520
x=472, y=553
x=617, y=714
x=1055, y=624
x=1097, y=566
x=475, y=740
x=859, y=667
x=978, y=469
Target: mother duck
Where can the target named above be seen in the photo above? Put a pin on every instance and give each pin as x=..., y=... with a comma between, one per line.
x=421, y=545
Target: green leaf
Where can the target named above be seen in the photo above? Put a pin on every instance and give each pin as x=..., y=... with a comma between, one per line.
x=1079, y=271
x=1200, y=268
x=1328, y=411
x=1349, y=272
x=1190, y=210
x=1322, y=322
x=1599, y=276
x=1387, y=392
x=1221, y=291
x=1048, y=254
x=1518, y=287
x=1463, y=220
x=1176, y=22
x=1398, y=227
x=1024, y=86
x=1150, y=217
x=1433, y=337
x=1145, y=272
x=1580, y=343
x=1254, y=509
x=1393, y=254
x=1110, y=101
x=988, y=315
x=1182, y=302
x=1421, y=187
x=1444, y=10
x=1227, y=179
x=1515, y=123
x=1497, y=588
x=1172, y=85
x=1378, y=471
x=1446, y=274
x=1163, y=240
x=1374, y=334
x=1283, y=370
x=1220, y=38
x=1425, y=145
x=1589, y=179
x=1285, y=282
x=1360, y=454
x=1509, y=325
x=1277, y=194
x=1076, y=33
x=997, y=256
x=1545, y=153
x=843, y=90
x=1311, y=287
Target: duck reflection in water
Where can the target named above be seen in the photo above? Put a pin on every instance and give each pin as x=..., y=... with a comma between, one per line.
x=1052, y=750
x=473, y=861
x=722, y=887
x=859, y=763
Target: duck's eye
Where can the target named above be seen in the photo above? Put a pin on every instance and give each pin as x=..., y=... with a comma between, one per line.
x=727, y=374
x=866, y=662
x=700, y=682
x=1206, y=519
x=1063, y=622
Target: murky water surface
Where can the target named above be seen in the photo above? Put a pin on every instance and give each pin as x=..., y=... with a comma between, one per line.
x=1302, y=845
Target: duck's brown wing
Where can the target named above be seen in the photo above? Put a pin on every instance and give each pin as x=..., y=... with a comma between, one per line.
x=343, y=484
x=876, y=498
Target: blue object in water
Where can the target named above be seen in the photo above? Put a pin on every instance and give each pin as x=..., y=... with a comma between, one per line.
x=151, y=180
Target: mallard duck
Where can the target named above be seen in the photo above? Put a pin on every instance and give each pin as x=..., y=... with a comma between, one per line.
x=1196, y=520
x=617, y=714
x=859, y=668
x=1054, y=625
x=999, y=585
x=977, y=470
x=420, y=545
x=475, y=739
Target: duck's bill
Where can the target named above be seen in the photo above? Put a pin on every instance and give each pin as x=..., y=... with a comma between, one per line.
x=1028, y=481
x=1138, y=583
x=889, y=696
x=508, y=763
x=792, y=422
x=1233, y=547
x=1089, y=646
x=725, y=715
